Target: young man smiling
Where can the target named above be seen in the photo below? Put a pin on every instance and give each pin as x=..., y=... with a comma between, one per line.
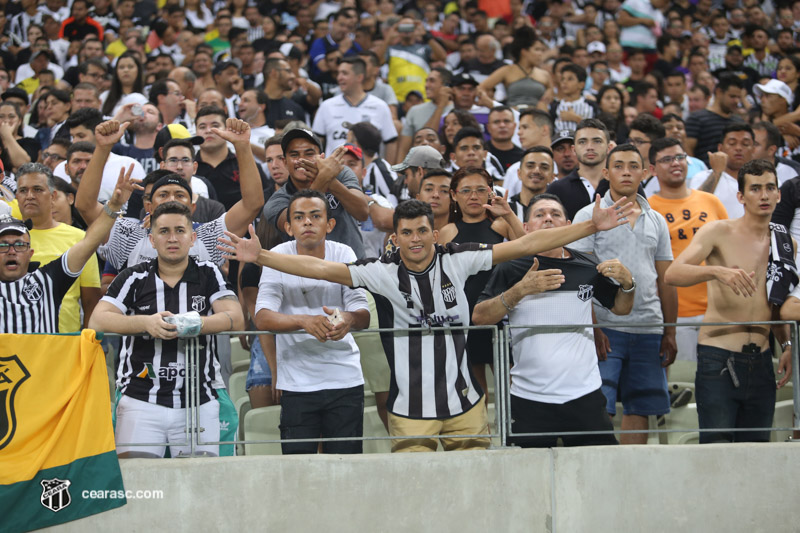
x=419, y=286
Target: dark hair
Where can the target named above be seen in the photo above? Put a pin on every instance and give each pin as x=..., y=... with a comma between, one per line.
x=627, y=147
x=670, y=117
x=87, y=117
x=358, y=65
x=536, y=150
x=539, y=117
x=20, y=115
x=372, y=56
x=500, y=109
x=641, y=89
x=171, y=208
x=63, y=96
x=159, y=88
x=579, y=72
x=275, y=140
x=592, y=123
x=308, y=193
x=160, y=27
x=728, y=80
x=774, y=137
x=347, y=12
x=524, y=38
x=664, y=41
x=83, y=68
x=676, y=74
x=661, y=144
x=152, y=177
x=62, y=141
x=603, y=90
x=460, y=174
x=702, y=88
x=596, y=64
x=211, y=110
x=115, y=92
x=649, y=125
x=435, y=173
x=447, y=76
x=756, y=167
x=172, y=143
x=411, y=209
x=82, y=146
x=734, y=127
x=466, y=132
x=546, y=196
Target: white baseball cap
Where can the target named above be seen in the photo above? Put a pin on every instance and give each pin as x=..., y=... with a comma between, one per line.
x=776, y=87
x=596, y=46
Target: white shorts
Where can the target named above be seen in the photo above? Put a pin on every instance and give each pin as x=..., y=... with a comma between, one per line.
x=143, y=422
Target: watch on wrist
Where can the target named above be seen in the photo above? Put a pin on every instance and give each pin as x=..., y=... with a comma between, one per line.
x=633, y=286
x=786, y=344
x=113, y=214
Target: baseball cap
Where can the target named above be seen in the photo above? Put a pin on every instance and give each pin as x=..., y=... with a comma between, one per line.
x=734, y=44
x=9, y=224
x=174, y=131
x=219, y=67
x=354, y=150
x=423, y=157
x=171, y=180
x=463, y=78
x=299, y=133
x=561, y=136
x=596, y=46
x=16, y=92
x=37, y=53
x=291, y=51
x=367, y=135
x=775, y=87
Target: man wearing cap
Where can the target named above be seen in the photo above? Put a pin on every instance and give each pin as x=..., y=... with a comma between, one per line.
x=278, y=79
x=412, y=170
x=776, y=99
x=28, y=292
x=28, y=74
x=563, y=146
x=596, y=51
x=230, y=84
x=464, y=93
x=379, y=176
x=128, y=243
x=354, y=105
x=309, y=168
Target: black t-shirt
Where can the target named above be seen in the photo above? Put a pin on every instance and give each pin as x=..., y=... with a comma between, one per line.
x=506, y=157
x=283, y=109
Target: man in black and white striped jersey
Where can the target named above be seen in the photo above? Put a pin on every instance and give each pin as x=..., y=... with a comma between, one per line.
x=151, y=377
x=421, y=285
x=555, y=381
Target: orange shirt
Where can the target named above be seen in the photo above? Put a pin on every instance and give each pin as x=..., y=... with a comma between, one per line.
x=684, y=218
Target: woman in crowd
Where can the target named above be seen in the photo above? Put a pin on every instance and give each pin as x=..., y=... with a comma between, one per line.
x=64, y=209
x=16, y=148
x=198, y=16
x=477, y=215
x=127, y=83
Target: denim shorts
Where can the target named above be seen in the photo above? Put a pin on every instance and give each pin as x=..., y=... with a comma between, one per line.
x=259, y=374
x=633, y=374
x=721, y=404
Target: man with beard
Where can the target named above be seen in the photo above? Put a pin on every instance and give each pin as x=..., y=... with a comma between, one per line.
x=144, y=131
x=78, y=156
x=563, y=147
x=579, y=187
x=535, y=174
x=253, y=109
x=278, y=79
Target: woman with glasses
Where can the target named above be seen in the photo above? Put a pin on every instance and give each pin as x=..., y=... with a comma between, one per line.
x=15, y=149
x=478, y=215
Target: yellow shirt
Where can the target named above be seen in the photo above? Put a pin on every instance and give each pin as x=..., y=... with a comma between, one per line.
x=51, y=244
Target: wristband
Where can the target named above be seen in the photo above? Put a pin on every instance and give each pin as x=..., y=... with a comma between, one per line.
x=503, y=301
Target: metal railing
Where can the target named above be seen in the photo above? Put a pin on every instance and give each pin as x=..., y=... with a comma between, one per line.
x=502, y=432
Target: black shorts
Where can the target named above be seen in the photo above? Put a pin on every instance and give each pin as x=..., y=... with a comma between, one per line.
x=587, y=413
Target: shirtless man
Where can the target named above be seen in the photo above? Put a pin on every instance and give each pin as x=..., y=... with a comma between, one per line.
x=737, y=258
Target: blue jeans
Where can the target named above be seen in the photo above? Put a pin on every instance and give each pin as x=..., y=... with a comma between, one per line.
x=721, y=404
x=259, y=374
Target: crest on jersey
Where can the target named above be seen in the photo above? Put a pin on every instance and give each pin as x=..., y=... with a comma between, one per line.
x=199, y=303
x=449, y=293
x=585, y=292
x=55, y=494
x=12, y=375
x=332, y=201
x=32, y=290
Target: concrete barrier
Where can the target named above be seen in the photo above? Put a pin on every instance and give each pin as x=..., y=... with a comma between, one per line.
x=747, y=488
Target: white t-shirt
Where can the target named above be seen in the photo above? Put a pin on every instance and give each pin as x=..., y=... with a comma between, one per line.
x=513, y=184
x=373, y=240
x=25, y=71
x=110, y=174
x=335, y=111
x=726, y=190
x=260, y=135
x=304, y=363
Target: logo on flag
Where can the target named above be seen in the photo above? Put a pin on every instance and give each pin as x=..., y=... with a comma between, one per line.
x=55, y=494
x=12, y=375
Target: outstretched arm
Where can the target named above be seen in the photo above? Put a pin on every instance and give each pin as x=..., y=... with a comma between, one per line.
x=245, y=210
x=100, y=228
x=107, y=135
x=547, y=239
x=250, y=251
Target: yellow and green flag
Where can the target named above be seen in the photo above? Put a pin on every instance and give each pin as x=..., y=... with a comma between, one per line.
x=57, y=457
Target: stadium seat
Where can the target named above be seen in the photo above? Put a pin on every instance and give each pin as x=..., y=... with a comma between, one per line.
x=784, y=416
x=242, y=408
x=683, y=418
x=238, y=353
x=240, y=366
x=785, y=393
x=373, y=427
x=236, y=386
x=262, y=424
x=682, y=371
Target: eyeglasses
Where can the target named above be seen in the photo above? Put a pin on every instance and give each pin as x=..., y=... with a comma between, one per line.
x=19, y=247
x=668, y=159
x=176, y=93
x=480, y=191
x=174, y=161
x=638, y=142
x=52, y=155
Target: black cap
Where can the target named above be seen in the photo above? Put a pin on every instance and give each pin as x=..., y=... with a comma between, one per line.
x=219, y=67
x=171, y=180
x=561, y=136
x=463, y=78
x=9, y=224
x=299, y=133
x=16, y=92
x=367, y=135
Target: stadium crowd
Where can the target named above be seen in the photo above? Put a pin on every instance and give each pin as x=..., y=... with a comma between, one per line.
x=319, y=167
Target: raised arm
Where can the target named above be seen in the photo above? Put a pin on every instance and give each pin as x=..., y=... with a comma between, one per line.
x=547, y=239
x=107, y=135
x=100, y=228
x=247, y=209
x=250, y=251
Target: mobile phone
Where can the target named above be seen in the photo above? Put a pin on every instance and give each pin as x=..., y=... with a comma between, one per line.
x=405, y=28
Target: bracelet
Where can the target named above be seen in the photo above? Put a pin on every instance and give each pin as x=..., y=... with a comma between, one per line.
x=503, y=301
x=113, y=214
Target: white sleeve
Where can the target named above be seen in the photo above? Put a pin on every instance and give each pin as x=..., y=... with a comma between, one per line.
x=388, y=131
x=368, y=275
x=585, y=244
x=270, y=290
x=320, y=126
